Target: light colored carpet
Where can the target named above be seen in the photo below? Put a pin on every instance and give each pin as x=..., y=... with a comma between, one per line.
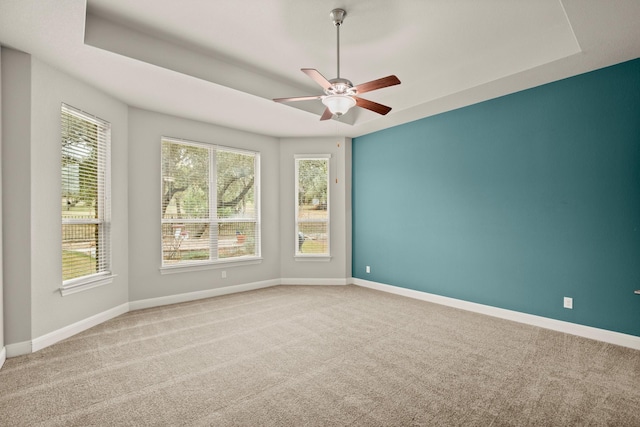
x=320, y=355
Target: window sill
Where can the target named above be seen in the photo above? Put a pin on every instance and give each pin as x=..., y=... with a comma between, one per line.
x=187, y=267
x=313, y=258
x=86, y=284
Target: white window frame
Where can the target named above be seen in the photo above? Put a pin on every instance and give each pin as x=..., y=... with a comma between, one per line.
x=213, y=220
x=298, y=256
x=105, y=275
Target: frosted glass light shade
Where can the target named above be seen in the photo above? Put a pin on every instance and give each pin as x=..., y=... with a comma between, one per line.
x=338, y=104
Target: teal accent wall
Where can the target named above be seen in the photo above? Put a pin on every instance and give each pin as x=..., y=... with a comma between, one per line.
x=515, y=202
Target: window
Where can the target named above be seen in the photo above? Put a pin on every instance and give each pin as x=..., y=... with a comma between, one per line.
x=312, y=205
x=210, y=204
x=85, y=196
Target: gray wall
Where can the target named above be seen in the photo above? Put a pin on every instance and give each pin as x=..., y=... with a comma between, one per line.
x=16, y=201
x=339, y=267
x=1, y=286
x=145, y=132
x=33, y=96
x=32, y=93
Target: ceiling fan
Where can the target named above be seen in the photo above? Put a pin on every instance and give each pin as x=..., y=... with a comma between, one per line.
x=340, y=94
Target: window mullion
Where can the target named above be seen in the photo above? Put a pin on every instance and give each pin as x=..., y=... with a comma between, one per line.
x=213, y=205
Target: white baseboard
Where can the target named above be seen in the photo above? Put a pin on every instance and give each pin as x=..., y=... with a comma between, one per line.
x=26, y=347
x=3, y=356
x=301, y=281
x=63, y=333
x=192, y=296
x=18, y=349
x=604, y=335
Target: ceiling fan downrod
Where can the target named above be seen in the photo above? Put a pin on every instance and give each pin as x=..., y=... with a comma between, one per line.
x=337, y=16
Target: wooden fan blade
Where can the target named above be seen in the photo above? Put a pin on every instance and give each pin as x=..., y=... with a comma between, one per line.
x=377, y=84
x=317, y=77
x=373, y=106
x=299, y=98
x=327, y=114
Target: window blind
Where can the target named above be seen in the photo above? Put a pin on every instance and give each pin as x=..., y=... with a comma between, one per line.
x=85, y=196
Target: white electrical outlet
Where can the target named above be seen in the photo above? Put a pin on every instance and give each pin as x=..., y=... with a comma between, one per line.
x=367, y=269
x=224, y=274
x=568, y=302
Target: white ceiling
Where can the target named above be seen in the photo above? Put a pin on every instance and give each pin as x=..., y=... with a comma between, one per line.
x=222, y=61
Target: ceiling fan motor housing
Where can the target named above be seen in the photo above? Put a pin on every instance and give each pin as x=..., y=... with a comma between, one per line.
x=341, y=87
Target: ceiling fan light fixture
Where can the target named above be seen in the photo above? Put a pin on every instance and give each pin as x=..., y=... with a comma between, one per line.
x=338, y=104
